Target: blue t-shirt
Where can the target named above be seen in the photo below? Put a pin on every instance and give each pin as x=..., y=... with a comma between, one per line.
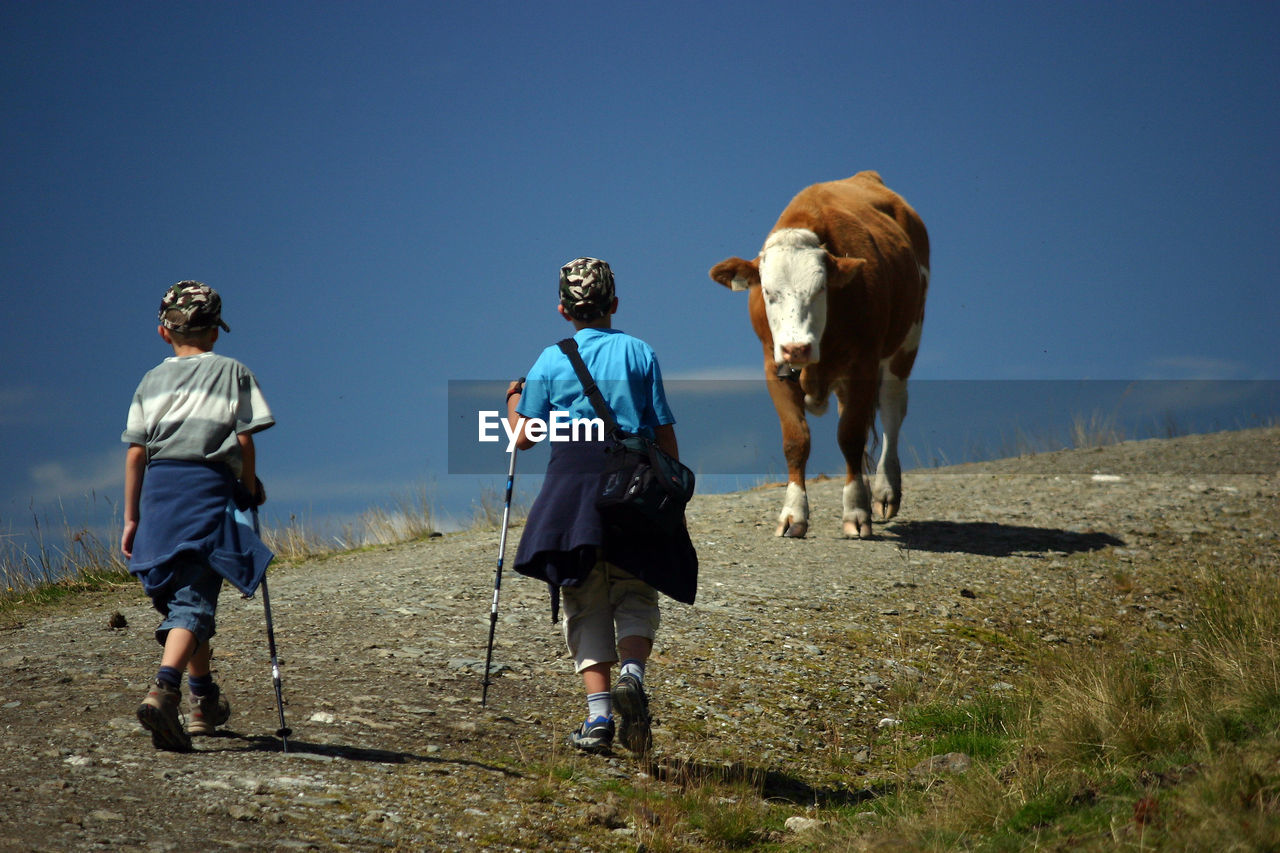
x=625, y=369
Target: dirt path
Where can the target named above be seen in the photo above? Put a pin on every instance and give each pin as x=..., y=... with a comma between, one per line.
x=793, y=653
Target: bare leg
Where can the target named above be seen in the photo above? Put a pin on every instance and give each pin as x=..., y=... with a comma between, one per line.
x=201, y=661
x=180, y=648
x=595, y=678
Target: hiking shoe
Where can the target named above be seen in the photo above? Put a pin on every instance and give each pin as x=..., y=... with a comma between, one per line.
x=594, y=735
x=632, y=706
x=208, y=712
x=158, y=714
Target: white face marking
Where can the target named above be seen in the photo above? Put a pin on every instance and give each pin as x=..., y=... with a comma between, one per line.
x=793, y=281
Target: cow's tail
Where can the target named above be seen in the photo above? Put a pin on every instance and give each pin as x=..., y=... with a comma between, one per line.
x=873, y=443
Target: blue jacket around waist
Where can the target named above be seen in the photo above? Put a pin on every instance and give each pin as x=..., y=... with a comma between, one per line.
x=188, y=507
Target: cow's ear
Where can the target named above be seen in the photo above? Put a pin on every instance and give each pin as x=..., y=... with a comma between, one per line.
x=736, y=274
x=843, y=270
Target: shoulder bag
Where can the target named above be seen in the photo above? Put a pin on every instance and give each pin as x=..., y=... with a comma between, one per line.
x=643, y=489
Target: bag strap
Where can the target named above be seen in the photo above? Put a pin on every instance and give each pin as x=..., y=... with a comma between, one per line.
x=569, y=347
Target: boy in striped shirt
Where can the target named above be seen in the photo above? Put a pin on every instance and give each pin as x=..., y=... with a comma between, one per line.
x=191, y=461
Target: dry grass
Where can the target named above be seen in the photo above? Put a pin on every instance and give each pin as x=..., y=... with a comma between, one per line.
x=50, y=561
x=54, y=560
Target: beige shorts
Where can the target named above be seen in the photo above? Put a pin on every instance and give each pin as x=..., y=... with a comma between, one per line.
x=610, y=604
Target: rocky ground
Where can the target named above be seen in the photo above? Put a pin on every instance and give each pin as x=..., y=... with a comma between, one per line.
x=780, y=675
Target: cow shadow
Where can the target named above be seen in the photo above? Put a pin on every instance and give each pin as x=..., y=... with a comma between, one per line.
x=990, y=539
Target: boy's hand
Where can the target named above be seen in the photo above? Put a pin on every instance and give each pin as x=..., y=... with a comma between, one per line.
x=246, y=497
x=126, y=539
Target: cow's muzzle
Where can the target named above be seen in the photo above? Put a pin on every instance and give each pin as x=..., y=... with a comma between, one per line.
x=797, y=355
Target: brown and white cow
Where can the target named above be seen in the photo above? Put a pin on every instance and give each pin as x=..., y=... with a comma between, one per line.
x=837, y=298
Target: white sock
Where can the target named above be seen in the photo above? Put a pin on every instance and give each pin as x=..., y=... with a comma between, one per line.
x=633, y=667
x=599, y=705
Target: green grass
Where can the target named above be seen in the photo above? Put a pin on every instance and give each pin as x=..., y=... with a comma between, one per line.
x=1121, y=747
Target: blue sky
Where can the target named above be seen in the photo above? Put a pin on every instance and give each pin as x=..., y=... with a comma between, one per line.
x=383, y=193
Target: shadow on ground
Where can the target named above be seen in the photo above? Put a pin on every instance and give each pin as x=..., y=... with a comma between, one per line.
x=772, y=784
x=230, y=741
x=988, y=539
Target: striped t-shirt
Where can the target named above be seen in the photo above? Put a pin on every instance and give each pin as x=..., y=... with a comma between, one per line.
x=192, y=408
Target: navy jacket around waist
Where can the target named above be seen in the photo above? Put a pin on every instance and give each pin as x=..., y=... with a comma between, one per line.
x=189, y=507
x=564, y=534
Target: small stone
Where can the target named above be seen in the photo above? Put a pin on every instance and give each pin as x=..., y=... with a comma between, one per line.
x=606, y=815
x=937, y=765
x=800, y=825
x=116, y=621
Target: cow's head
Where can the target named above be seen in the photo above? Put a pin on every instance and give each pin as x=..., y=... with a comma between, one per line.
x=794, y=272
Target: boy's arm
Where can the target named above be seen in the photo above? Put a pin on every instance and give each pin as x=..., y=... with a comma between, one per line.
x=135, y=467
x=519, y=425
x=665, y=436
x=249, y=467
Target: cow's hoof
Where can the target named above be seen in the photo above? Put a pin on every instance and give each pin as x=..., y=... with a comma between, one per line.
x=792, y=529
x=857, y=529
x=885, y=509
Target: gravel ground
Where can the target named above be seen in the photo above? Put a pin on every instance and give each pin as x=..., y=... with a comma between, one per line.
x=781, y=673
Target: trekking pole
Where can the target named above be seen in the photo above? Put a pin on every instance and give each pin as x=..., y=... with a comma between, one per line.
x=497, y=578
x=284, y=731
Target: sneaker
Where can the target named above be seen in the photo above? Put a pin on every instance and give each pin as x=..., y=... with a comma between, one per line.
x=632, y=706
x=594, y=735
x=158, y=714
x=208, y=712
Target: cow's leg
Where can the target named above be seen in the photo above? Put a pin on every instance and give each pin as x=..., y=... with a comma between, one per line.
x=857, y=407
x=886, y=491
x=788, y=399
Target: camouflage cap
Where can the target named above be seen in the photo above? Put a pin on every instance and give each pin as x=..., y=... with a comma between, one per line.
x=190, y=306
x=586, y=288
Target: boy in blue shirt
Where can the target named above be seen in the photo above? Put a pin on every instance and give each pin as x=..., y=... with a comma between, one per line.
x=191, y=457
x=609, y=582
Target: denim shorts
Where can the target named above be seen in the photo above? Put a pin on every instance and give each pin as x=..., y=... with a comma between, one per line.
x=190, y=599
